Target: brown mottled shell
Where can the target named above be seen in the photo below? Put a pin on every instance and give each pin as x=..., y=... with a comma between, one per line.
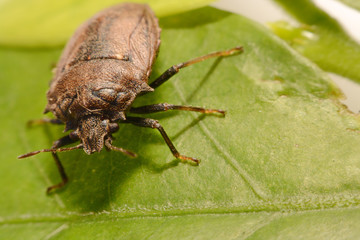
x=106, y=63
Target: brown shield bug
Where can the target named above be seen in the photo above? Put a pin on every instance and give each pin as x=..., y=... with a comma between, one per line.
x=103, y=68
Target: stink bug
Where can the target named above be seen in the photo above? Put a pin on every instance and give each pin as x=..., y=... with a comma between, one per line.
x=103, y=68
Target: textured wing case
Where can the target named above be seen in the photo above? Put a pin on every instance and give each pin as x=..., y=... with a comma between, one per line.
x=127, y=32
x=113, y=53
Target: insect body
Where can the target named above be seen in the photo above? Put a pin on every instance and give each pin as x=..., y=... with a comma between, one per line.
x=103, y=68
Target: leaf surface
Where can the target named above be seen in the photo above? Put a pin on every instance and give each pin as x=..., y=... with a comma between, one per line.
x=42, y=23
x=283, y=163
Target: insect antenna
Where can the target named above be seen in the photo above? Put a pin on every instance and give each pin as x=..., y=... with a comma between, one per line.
x=55, y=150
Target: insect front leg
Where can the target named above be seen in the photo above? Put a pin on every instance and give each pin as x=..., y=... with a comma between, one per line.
x=162, y=107
x=152, y=123
x=175, y=68
x=56, y=145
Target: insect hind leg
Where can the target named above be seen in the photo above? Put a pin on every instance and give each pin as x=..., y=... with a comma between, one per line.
x=176, y=68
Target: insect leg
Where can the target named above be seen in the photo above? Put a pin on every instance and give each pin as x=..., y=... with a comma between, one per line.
x=151, y=123
x=175, y=68
x=56, y=148
x=162, y=107
x=57, y=144
x=44, y=121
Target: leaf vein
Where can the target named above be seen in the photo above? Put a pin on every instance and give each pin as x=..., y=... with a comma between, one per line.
x=251, y=183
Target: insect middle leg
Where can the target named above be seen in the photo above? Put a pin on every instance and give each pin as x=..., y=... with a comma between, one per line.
x=162, y=107
x=45, y=121
x=152, y=123
x=175, y=68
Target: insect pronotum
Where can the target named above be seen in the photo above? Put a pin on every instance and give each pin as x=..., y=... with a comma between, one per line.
x=103, y=68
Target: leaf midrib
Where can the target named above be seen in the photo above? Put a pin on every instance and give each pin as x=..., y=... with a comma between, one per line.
x=113, y=215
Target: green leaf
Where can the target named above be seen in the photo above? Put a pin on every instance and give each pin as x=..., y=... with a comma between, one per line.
x=321, y=39
x=43, y=23
x=352, y=3
x=283, y=163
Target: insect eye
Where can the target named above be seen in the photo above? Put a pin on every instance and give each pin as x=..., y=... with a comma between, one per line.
x=120, y=94
x=106, y=94
x=65, y=105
